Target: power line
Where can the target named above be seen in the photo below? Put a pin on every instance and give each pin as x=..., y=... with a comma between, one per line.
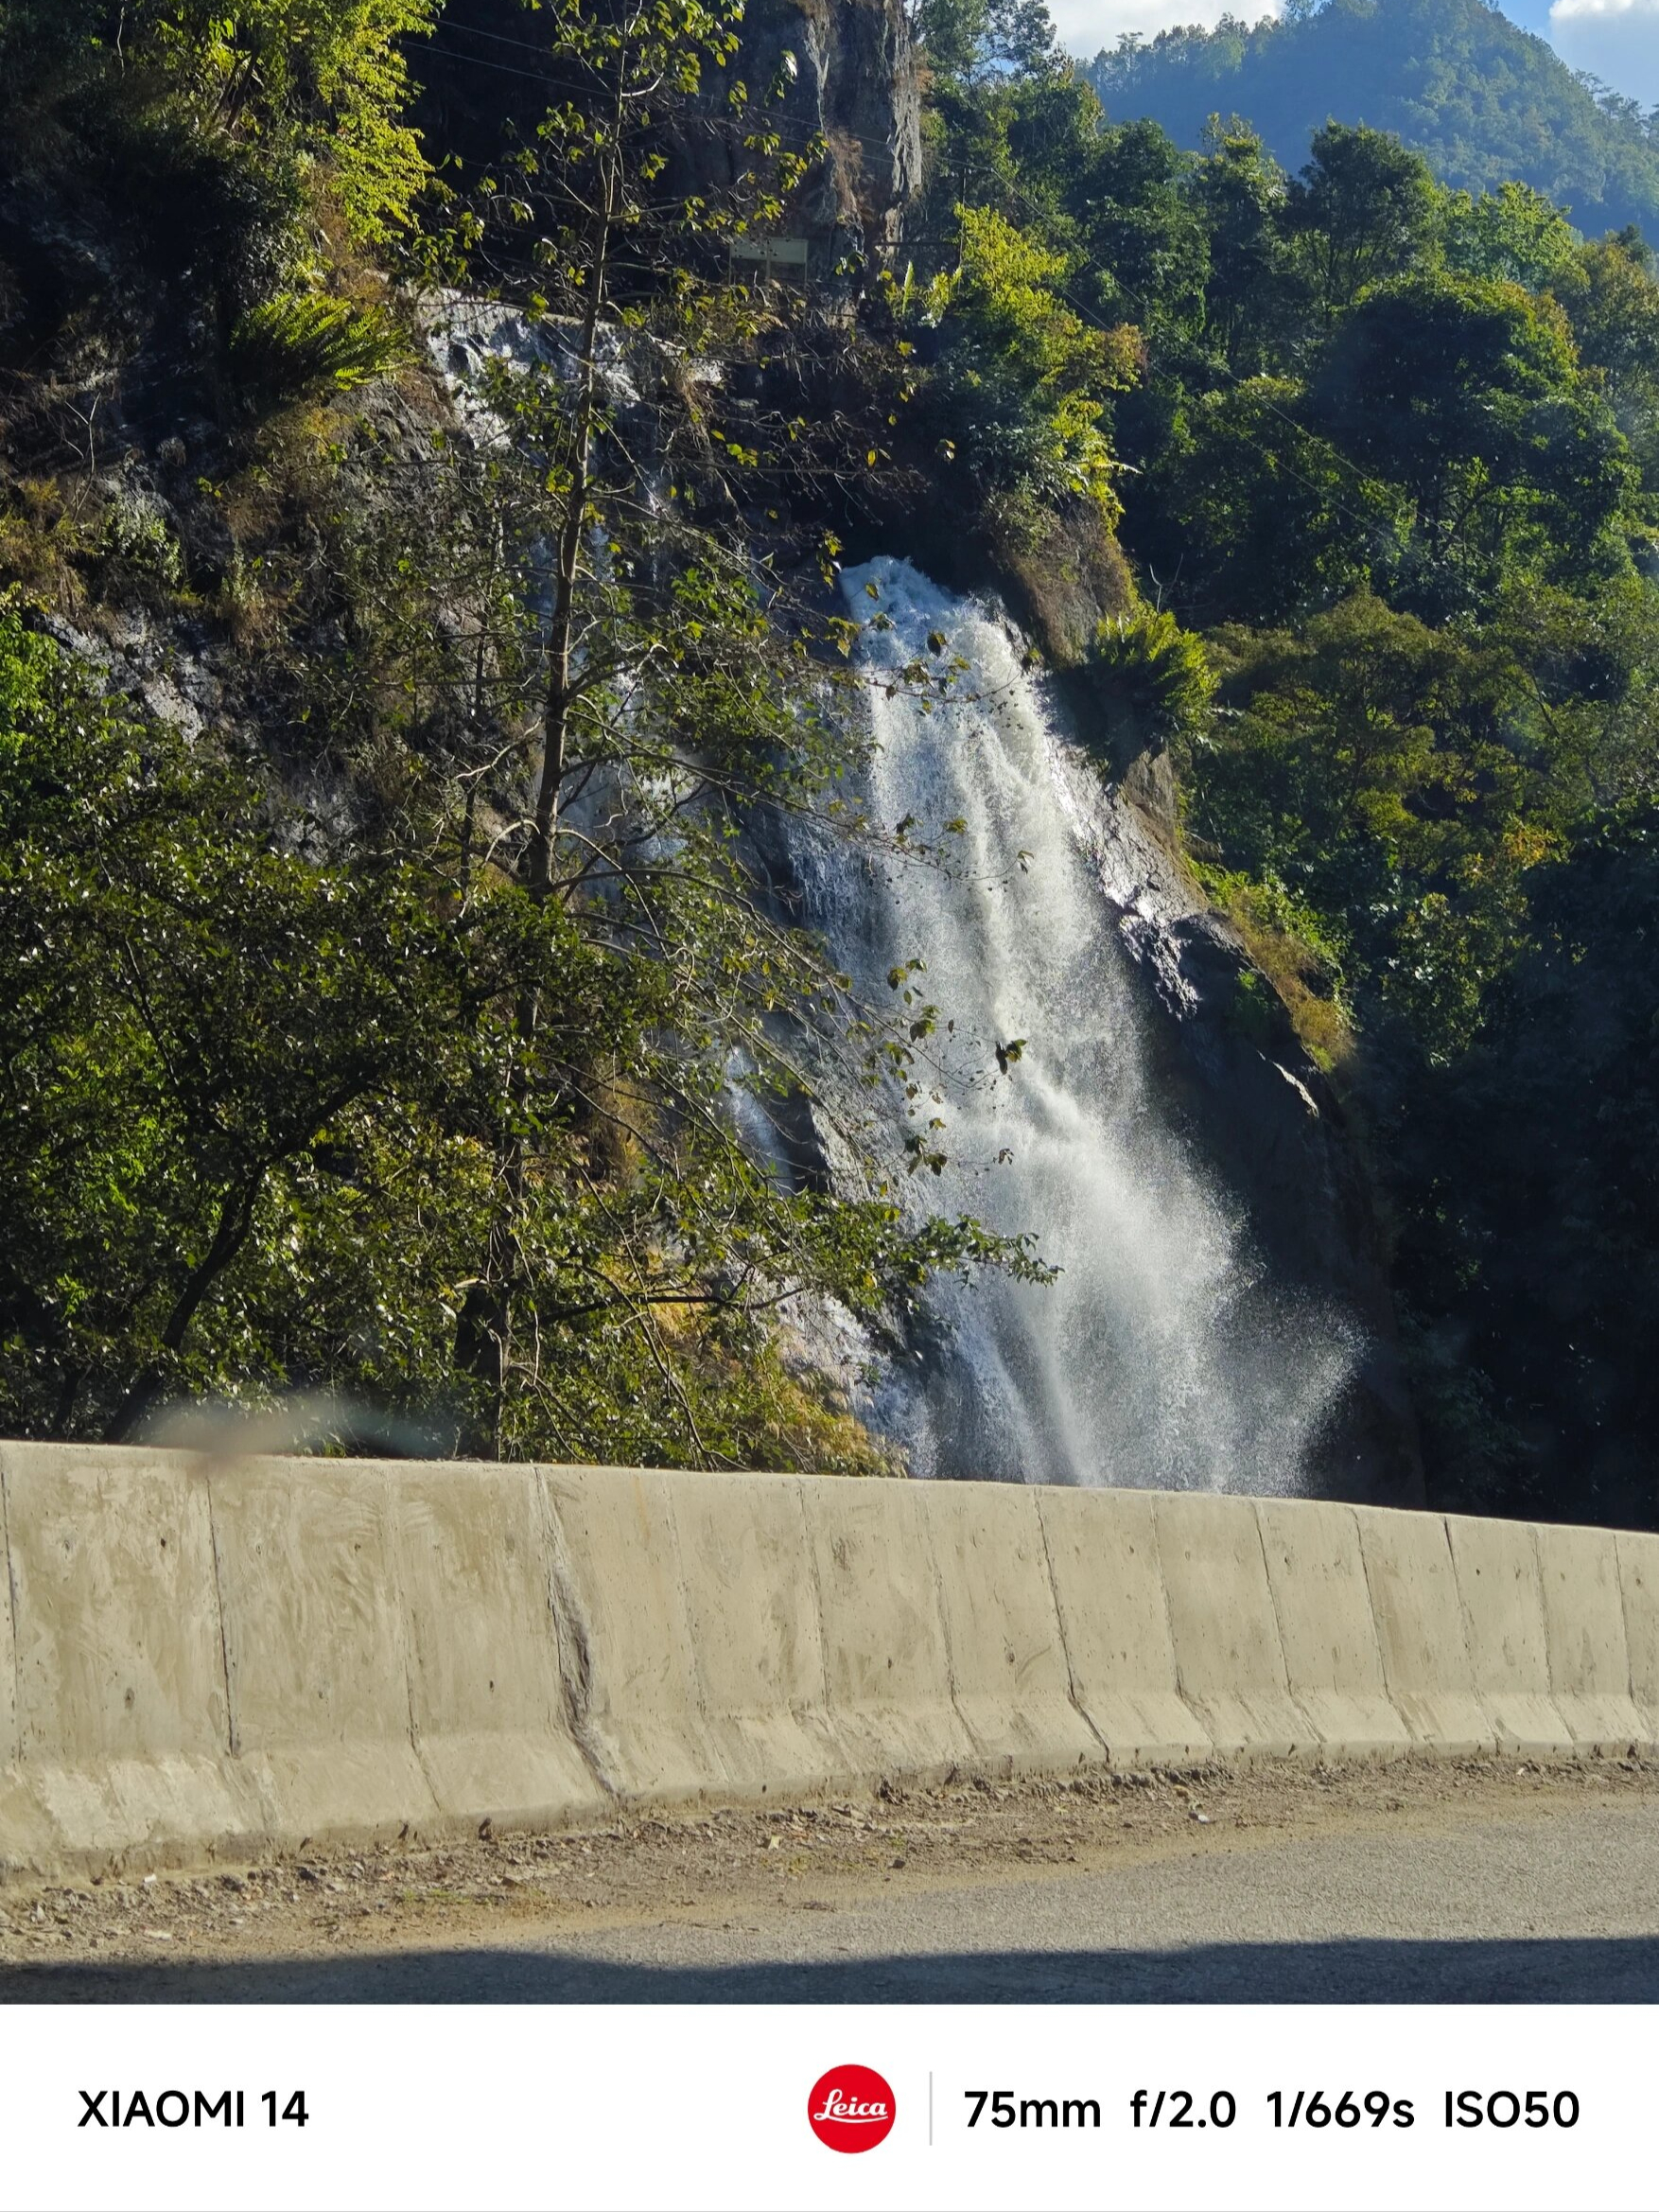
x=496, y=38
x=479, y=61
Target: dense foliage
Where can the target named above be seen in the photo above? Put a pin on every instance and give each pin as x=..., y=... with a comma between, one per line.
x=396, y=1042
x=291, y=84
x=1484, y=101
x=1392, y=460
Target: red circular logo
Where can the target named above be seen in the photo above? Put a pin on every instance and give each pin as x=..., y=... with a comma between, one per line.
x=851, y=2108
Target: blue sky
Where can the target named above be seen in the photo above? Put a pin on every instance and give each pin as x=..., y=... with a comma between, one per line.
x=1618, y=40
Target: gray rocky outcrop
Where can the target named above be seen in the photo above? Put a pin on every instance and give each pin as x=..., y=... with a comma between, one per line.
x=840, y=70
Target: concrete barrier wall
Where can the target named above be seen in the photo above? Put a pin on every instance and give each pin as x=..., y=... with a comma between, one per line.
x=201, y=1657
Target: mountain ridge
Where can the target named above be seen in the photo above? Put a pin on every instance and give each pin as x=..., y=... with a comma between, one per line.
x=1483, y=100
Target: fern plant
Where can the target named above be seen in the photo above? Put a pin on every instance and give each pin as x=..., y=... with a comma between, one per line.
x=307, y=342
x=1147, y=667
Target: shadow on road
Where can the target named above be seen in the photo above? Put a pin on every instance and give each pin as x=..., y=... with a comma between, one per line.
x=1589, y=1969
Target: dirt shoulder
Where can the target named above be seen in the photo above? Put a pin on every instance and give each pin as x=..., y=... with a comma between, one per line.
x=491, y=1890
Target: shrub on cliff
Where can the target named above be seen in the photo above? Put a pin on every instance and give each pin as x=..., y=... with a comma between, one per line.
x=1147, y=669
x=1013, y=384
x=325, y=82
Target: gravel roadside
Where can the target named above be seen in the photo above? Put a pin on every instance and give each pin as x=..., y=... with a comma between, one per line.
x=809, y=1857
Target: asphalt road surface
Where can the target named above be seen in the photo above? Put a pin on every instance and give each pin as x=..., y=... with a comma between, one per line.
x=1561, y=1907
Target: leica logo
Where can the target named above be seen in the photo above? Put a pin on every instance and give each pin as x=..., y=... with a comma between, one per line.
x=851, y=2108
x=837, y=2107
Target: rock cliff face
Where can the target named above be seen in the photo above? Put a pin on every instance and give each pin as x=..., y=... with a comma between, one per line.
x=840, y=70
x=1234, y=1075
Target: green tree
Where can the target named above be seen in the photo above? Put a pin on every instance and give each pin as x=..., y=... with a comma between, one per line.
x=193, y=1014
x=583, y=210
x=1257, y=517
x=1534, y=1350
x=329, y=77
x=1610, y=298
x=1364, y=209
x=979, y=41
x=1143, y=238
x=1512, y=236
x=1367, y=763
x=1468, y=395
x=1254, y=298
x=1018, y=384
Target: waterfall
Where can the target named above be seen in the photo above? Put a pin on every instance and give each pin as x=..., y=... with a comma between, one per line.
x=1162, y=1355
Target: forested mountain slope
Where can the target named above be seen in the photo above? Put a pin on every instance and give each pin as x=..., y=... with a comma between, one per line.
x=1484, y=101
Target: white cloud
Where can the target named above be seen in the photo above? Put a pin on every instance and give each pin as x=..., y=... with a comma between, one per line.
x=1086, y=25
x=1615, y=39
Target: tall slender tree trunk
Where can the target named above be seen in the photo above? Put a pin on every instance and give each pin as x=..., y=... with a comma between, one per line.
x=559, y=694
x=485, y=1344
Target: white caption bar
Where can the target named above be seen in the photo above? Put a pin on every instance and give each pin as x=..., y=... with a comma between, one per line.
x=682, y=2106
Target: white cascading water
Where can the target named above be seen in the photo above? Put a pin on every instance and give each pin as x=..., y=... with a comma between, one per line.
x=1161, y=1355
